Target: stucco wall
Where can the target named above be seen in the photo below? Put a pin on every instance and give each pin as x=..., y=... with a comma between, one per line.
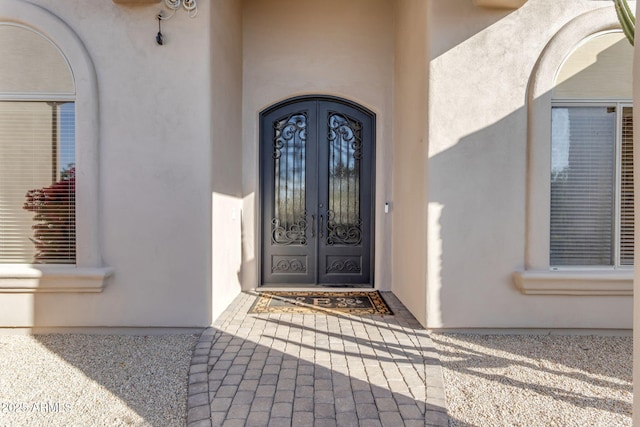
x=410, y=156
x=328, y=47
x=226, y=139
x=154, y=176
x=178, y=194
x=481, y=63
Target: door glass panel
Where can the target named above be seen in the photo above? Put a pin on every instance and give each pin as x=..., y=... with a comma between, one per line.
x=344, y=224
x=289, y=220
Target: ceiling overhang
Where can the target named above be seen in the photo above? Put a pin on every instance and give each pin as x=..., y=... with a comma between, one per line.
x=135, y=2
x=502, y=4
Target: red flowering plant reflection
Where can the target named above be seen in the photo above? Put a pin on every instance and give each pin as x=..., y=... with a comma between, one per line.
x=54, y=209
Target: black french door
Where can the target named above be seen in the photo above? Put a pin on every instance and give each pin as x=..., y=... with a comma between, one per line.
x=317, y=170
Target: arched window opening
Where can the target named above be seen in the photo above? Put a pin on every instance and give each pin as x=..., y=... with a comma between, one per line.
x=579, y=163
x=37, y=150
x=591, y=215
x=48, y=87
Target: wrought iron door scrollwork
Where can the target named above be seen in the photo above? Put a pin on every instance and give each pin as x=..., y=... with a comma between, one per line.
x=344, y=222
x=294, y=234
x=289, y=221
x=341, y=127
x=289, y=130
x=343, y=234
x=317, y=164
x=289, y=265
x=347, y=266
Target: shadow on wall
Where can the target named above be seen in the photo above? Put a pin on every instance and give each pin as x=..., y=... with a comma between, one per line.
x=465, y=29
x=476, y=186
x=481, y=186
x=481, y=192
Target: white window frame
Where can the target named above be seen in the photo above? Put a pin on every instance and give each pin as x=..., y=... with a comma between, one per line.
x=618, y=104
x=37, y=98
x=88, y=274
x=536, y=277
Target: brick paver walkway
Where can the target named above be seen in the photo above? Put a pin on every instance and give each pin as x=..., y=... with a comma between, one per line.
x=308, y=370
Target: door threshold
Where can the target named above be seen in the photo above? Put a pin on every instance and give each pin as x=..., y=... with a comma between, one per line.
x=314, y=288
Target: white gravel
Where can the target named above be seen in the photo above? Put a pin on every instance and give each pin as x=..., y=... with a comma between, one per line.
x=509, y=380
x=490, y=380
x=94, y=380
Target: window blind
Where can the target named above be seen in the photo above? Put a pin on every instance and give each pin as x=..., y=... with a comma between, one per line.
x=37, y=182
x=626, y=188
x=583, y=186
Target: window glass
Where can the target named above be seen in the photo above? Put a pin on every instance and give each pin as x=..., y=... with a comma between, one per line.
x=37, y=150
x=591, y=186
x=37, y=182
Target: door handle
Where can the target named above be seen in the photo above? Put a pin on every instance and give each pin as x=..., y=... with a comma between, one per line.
x=321, y=226
x=313, y=226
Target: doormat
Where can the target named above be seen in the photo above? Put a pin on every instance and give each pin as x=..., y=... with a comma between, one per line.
x=360, y=303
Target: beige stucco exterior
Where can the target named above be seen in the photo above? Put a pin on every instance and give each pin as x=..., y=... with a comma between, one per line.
x=481, y=145
x=409, y=259
x=226, y=154
x=170, y=220
x=149, y=110
x=304, y=47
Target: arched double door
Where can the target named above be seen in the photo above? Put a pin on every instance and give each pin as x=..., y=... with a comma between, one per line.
x=317, y=157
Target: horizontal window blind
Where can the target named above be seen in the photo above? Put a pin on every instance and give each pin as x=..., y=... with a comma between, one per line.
x=583, y=186
x=37, y=182
x=626, y=188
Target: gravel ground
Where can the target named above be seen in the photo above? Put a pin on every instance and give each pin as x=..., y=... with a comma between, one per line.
x=94, y=380
x=507, y=380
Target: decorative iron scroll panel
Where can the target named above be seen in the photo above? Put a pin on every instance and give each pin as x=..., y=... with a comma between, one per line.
x=289, y=157
x=317, y=158
x=345, y=153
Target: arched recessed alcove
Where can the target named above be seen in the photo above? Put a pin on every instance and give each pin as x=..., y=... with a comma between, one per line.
x=585, y=50
x=317, y=173
x=59, y=68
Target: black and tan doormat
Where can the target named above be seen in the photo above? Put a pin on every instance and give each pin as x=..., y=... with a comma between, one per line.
x=360, y=303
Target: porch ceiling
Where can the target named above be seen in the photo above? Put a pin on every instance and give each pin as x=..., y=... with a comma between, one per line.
x=504, y=4
x=134, y=2
x=508, y=4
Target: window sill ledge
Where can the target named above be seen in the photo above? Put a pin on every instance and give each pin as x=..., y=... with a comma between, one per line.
x=598, y=282
x=52, y=279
